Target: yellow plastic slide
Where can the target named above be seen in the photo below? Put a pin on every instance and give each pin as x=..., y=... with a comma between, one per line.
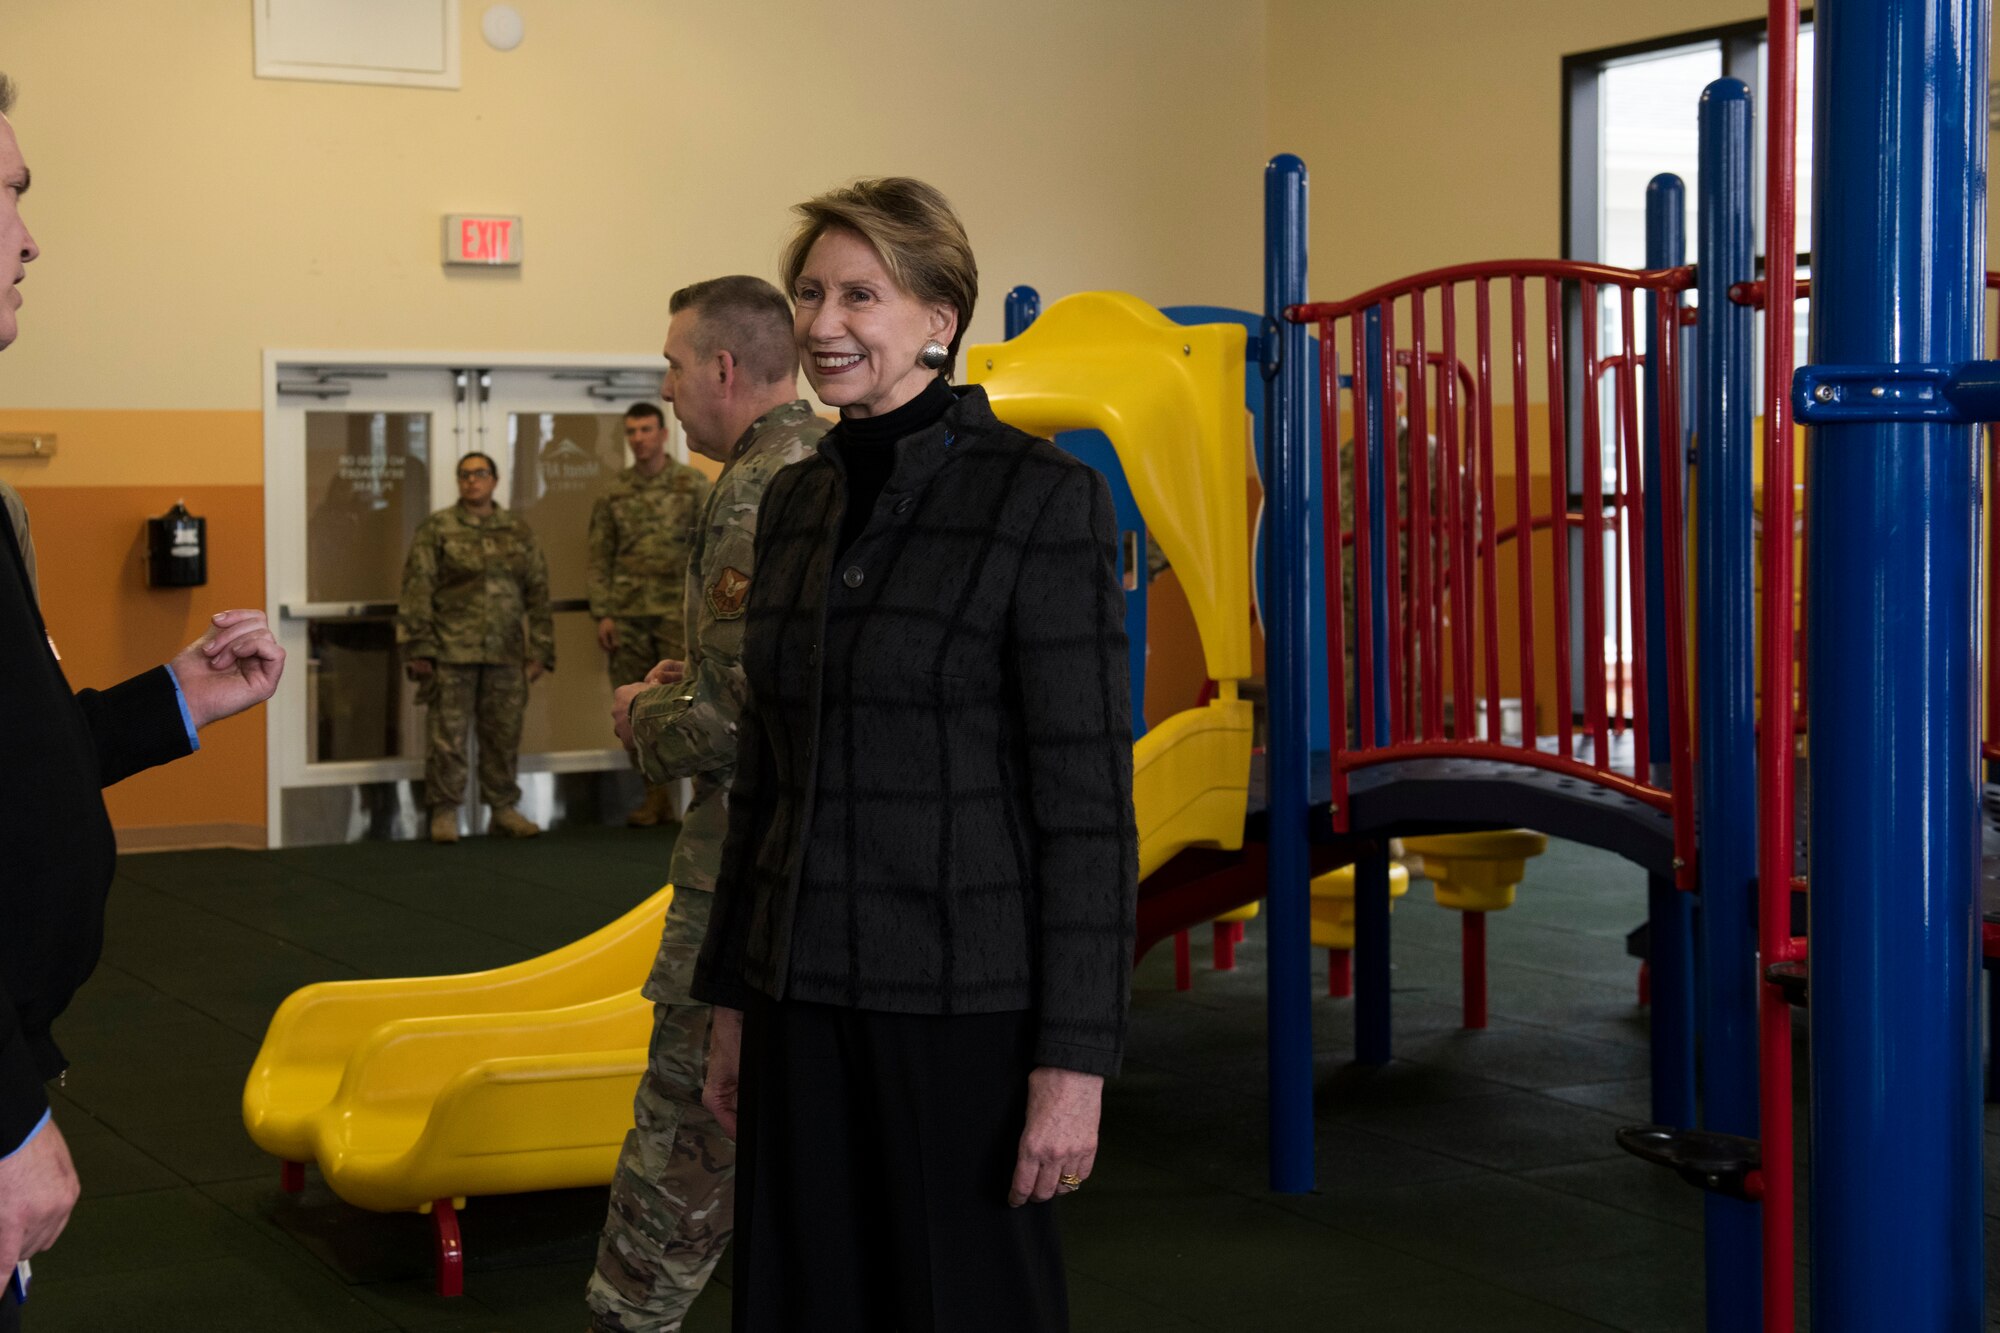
x=1170, y=398
x=521, y=1078
x=410, y=1090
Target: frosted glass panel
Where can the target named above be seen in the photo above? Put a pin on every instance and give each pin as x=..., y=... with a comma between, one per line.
x=571, y=710
x=367, y=490
x=358, y=704
x=561, y=463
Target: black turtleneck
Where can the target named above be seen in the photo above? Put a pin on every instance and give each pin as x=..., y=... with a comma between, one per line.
x=868, y=451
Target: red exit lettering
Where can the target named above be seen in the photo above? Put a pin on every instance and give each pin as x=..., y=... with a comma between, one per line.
x=482, y=240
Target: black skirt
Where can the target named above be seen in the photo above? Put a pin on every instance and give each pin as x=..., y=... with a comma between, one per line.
x=874, y=1155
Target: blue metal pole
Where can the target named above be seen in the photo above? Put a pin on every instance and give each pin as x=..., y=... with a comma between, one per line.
x=1286, y=618
x=1725, y=693
x=1373, y=1006
x=1378, y=516
x=1899, y=216
x=1024, y=307
x=1671, y=912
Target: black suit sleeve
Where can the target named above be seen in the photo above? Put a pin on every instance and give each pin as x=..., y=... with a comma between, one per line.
x=22, y=1101
x=135, y=726
x=131, y=726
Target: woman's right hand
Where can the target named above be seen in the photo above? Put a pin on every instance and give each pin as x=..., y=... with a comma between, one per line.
x=725, y=1067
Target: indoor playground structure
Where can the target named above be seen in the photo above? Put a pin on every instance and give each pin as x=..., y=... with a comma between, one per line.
x=1889, y=851
x=1538, y=477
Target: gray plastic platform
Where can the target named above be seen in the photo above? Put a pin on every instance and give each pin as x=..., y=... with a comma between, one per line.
x=1409, y=797
x=1417, y=796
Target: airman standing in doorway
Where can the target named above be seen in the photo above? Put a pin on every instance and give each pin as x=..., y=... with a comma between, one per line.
x=474, y=573
x=641, y=532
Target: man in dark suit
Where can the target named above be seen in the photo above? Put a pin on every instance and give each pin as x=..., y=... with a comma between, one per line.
x=58, y=749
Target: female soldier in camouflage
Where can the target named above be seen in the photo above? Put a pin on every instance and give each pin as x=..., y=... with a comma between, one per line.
x=474, y=573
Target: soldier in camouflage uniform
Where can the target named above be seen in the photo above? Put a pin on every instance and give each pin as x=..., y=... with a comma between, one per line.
x=640, y=533
x=474, y=573
x=731, y=377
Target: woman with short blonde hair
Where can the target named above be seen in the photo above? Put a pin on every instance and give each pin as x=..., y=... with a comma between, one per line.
x=922, y=939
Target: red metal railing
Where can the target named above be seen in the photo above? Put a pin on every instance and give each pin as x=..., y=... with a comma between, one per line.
x=1446, y=636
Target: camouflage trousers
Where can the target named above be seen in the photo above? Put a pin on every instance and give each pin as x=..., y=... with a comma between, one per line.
x=489, y=698
x=673, y=1199
x=643, y=642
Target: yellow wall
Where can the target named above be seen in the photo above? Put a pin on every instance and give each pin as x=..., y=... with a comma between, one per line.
x=1433, y=128
x=192, y=215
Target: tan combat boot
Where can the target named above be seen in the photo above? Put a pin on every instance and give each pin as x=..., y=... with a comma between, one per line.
x=511, y=823
x=444, y=824
x=656, y=809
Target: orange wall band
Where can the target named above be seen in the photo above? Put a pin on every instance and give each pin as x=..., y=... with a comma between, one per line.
x=109, y=625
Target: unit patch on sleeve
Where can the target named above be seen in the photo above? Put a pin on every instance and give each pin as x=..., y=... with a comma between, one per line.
x=728, y=593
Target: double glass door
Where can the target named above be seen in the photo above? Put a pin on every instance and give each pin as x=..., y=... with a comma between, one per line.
x=358, y=454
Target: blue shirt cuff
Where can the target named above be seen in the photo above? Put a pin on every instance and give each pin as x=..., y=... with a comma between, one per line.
x=40, y=1125
x=187, y=718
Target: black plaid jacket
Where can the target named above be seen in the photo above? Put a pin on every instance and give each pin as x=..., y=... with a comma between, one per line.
x=932, y=810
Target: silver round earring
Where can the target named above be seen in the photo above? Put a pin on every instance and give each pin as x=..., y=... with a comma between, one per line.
x=934, y=356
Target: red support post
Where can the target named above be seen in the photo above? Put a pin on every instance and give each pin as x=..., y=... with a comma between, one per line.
x=1620, y=488
x=1423, y=593
x=1225, y=945
x=1400, y=694
x=1455, y=465
x=1472, y=964
x=1183, y=962
x=292, y=1177
x=1635, y=536
x=1591, y=486
x=1673, y=538
x=450, y=1248
x=1489, y=518
x=1524, y=511
x=1364, y=555
x=1339, y=973
x=1775, y=761
x=1559, y=526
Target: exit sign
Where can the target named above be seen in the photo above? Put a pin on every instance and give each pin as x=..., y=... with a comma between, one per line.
x=482, y=239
